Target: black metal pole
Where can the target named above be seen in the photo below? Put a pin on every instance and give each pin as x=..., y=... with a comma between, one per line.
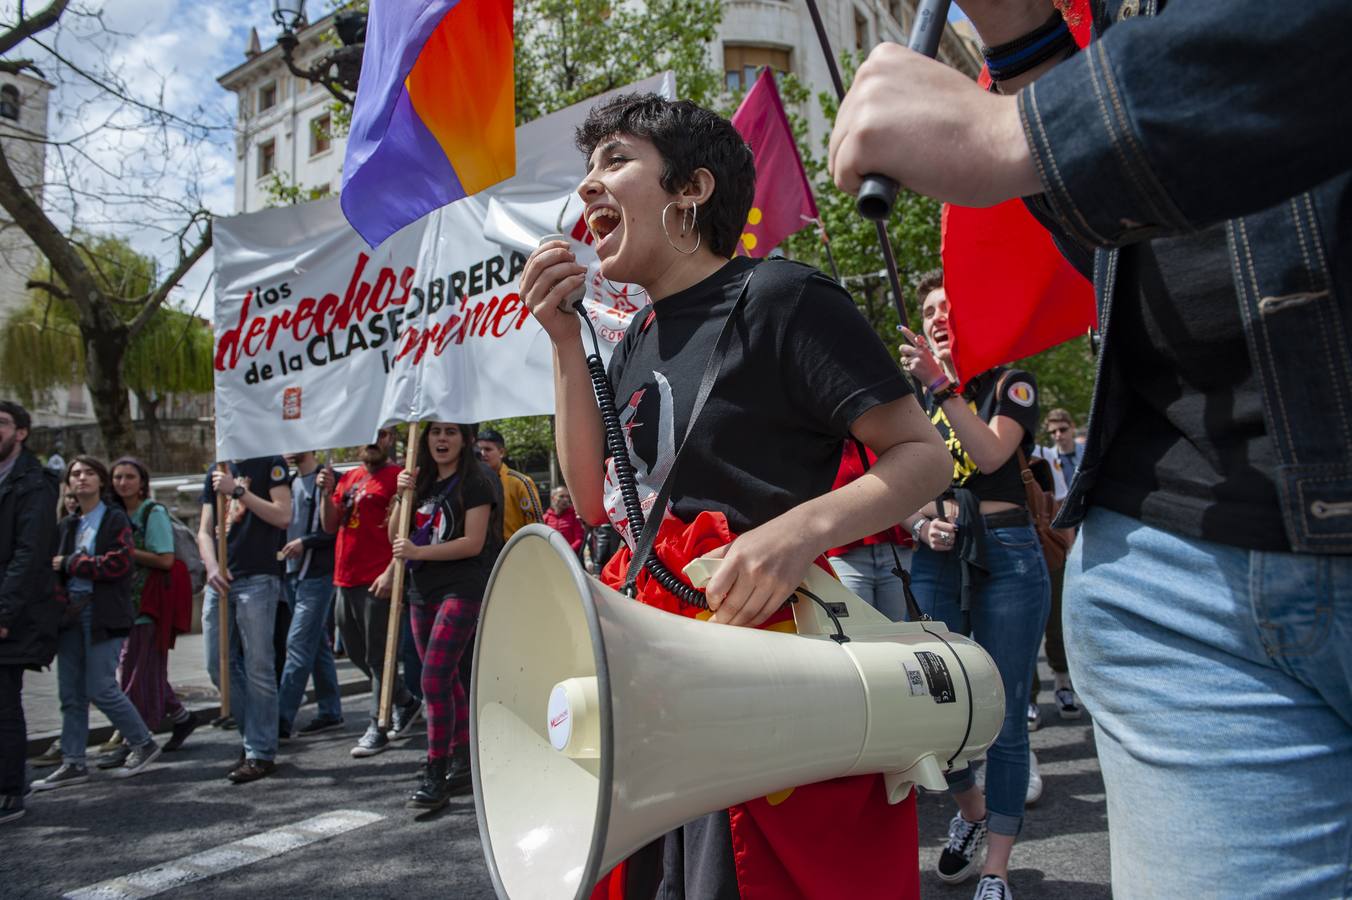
x=885, y=243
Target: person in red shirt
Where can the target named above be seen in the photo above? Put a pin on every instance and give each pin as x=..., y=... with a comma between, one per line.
x=865, y=566
x=563, y=518
x=356, y=510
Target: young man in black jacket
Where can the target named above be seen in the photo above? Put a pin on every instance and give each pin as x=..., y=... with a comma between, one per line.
x=28, y=613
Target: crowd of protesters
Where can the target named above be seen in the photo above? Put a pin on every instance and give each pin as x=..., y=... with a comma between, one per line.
x=94, y=580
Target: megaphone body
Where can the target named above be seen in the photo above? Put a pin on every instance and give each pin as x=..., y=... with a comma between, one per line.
x=599, y=723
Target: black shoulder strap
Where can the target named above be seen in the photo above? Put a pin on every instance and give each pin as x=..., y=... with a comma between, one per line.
x=654, y=520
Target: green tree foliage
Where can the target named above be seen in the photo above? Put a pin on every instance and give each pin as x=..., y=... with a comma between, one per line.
x=41, y=348
x=570, y=50
x=529, y=440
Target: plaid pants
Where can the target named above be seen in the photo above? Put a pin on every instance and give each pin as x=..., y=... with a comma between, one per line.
x=442, y=629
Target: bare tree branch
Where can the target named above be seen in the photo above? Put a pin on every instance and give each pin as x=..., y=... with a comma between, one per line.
x=186, y=262
x=27, y=27
x=52, y=288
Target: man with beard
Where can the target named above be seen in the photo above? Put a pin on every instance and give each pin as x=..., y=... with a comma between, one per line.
x=356, y=510
x=28, y=614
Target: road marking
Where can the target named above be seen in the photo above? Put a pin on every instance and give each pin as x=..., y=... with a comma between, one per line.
x=208, y=863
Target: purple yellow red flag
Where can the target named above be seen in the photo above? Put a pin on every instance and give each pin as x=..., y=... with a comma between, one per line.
x=783, y=203
x=434, y=119
x=1011, y=293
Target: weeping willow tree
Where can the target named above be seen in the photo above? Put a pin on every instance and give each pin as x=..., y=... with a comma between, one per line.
x=42, y=348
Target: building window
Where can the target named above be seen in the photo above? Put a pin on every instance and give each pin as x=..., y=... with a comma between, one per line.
x=9, y=102
x=267, y=96
x=267, y=158
x=321, y=134
x=741, y=63
x=862, y=40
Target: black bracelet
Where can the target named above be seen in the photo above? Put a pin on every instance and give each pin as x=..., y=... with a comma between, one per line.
x=1014, y=58
x=941, y=396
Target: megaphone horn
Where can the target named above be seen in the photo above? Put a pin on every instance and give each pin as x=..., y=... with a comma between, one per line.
x=598, y=723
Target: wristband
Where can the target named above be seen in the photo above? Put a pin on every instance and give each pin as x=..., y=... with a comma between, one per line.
x=938, y=383
x=1014, y=58
x=915, y=529
x=943, y=395
x=238, y=492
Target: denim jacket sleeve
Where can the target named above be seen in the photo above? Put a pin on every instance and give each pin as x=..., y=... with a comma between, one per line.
x=1209, y=110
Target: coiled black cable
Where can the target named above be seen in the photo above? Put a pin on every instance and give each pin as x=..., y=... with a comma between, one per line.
x=624, y=469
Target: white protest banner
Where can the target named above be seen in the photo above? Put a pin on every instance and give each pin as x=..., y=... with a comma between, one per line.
x=319, y=340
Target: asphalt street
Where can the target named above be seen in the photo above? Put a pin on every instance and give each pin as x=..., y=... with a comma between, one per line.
x=268, y=839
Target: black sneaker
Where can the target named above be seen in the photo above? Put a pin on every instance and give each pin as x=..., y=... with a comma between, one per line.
x=404, y=718
x=962, y=855
x=67, y=774
x=992, y=887
x=434, y=788
x=138, y=759
x=283, y=731
x=318, y=724
x=252, y=770
x=1066, y=703
x=11, y=808
x=113, y=759
x=227, y=723
x=180, y=733
x=372, y=742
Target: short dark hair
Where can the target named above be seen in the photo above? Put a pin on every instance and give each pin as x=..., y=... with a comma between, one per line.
x=492, y=436
x=687, y=137
x=929, y=282
x=141, y=470
x=16, y=412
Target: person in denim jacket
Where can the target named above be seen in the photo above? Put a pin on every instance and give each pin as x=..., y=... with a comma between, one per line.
x=1193, y=160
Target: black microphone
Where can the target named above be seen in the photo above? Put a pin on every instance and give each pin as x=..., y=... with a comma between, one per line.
x=878, y=193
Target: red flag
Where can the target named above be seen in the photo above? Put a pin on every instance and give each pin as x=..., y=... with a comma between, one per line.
x=1011, y=294
x=783, y=203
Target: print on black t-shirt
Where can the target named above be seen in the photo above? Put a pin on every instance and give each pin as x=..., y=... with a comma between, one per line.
x=998, y=392
x=802, y=365
x=465, y=578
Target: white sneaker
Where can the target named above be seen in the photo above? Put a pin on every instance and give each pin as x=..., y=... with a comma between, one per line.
x=1067, y=704
x=1034, y=782
x=1034, y=716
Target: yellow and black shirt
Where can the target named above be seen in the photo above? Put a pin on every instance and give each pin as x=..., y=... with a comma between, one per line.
x=998, y=392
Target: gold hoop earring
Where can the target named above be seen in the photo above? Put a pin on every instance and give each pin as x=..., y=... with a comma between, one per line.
x=694, y=219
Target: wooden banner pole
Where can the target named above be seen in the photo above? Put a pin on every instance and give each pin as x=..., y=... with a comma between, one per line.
x=223, y=599
x=406, y=501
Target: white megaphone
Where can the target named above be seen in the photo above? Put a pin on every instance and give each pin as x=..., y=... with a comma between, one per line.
x=598, y=723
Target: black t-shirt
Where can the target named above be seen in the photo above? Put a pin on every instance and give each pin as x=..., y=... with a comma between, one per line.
x=802, y=365
x=990, y=394
x=252, y=545
x=465, y=578
x=1193, y=455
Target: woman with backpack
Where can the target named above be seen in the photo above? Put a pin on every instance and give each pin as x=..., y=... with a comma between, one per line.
x=158, y=593
x=978, y=567
x=449, y=556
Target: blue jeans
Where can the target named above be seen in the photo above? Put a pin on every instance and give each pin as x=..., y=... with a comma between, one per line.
x=1220, y=682
x=867, y=571
x=1008, y=615
x=85, y=672
x=253, y=672
x=308, y=651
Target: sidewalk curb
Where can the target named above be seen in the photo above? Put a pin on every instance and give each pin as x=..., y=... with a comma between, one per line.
x=37, y=743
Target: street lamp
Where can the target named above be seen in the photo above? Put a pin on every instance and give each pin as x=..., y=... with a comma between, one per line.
x=336, y=71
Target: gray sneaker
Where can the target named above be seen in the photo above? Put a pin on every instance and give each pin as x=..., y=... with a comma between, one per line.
x=114, y=760
x=372, y=742
x=138, y=759
x=65, y=776
x=404, y=718
x=49, y=757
